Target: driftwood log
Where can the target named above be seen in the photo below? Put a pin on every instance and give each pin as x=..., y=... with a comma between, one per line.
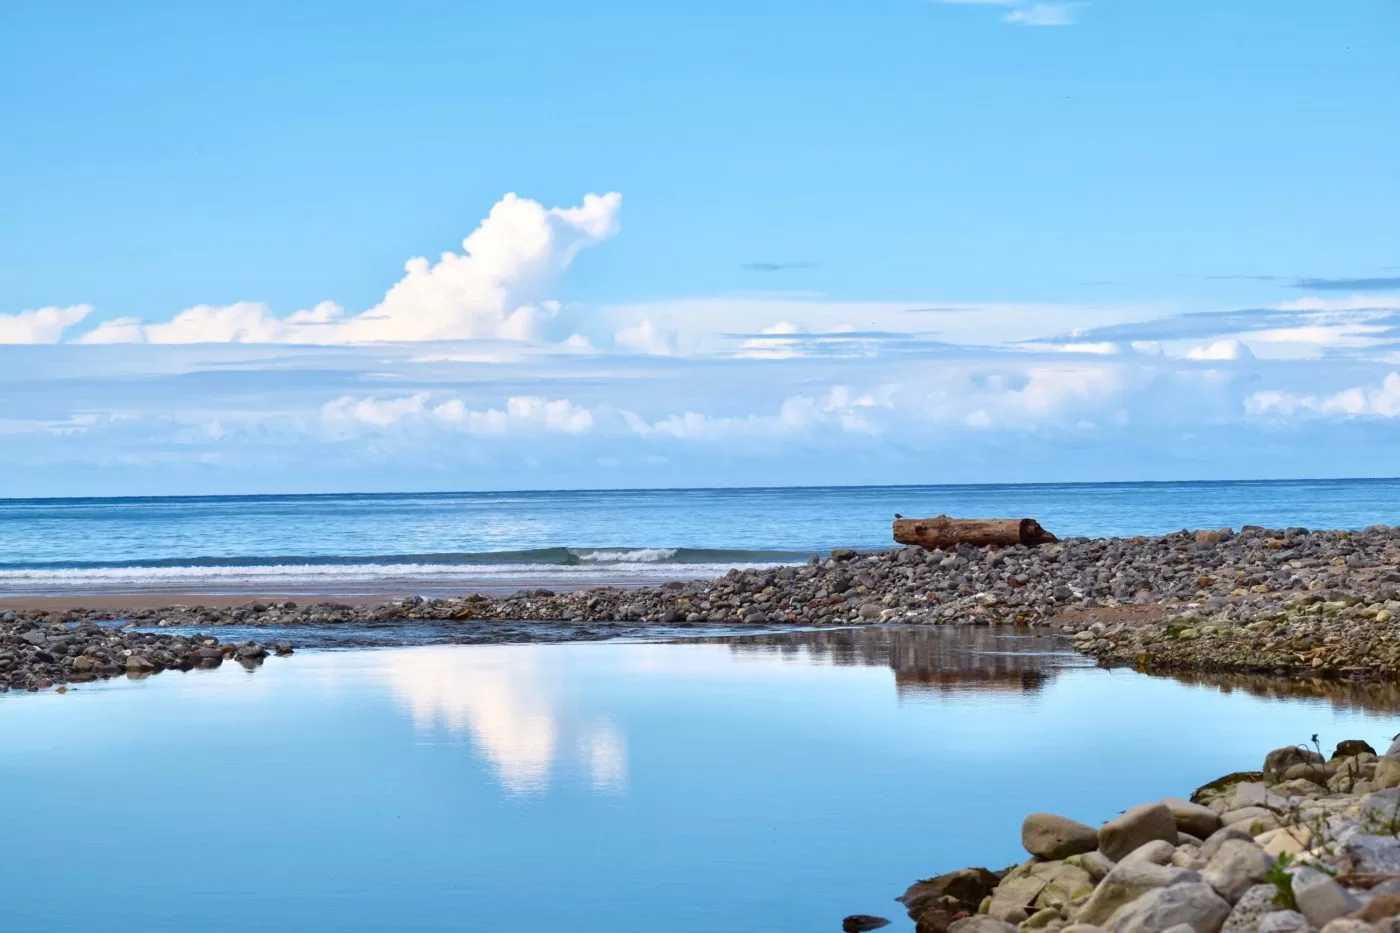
x=944, y=532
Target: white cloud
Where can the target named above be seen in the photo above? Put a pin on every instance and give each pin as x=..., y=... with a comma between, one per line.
x=646, y=337
x=346, y=415
x=1220, y=350
x=1044, y=14
x=496, y=288
x=797, y=414
x=1352, y=402
x=41, y=325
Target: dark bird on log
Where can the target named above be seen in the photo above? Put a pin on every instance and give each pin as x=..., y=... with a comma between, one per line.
x=897, y=516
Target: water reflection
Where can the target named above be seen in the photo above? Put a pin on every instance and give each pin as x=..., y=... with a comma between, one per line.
x=1367, y=696
x=510, y=704
x=963, y=660
x=926, y=660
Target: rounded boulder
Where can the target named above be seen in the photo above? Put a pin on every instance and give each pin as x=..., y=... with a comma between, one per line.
x=1052, y=837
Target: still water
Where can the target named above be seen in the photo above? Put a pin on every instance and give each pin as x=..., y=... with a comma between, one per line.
x=770, y=783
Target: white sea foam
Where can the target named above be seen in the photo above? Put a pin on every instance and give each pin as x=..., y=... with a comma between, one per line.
x=644, y=555
x=349, y=577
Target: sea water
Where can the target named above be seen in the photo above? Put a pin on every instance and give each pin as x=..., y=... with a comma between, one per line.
x=429, y=543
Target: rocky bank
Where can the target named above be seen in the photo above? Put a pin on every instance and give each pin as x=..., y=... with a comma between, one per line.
x=1304, y=844
x=1281, y=601
x=36, y=654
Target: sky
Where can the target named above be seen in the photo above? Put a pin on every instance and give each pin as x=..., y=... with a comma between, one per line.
x=315, y=247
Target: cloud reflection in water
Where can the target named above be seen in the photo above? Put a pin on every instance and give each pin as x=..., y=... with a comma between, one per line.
x=510, y=704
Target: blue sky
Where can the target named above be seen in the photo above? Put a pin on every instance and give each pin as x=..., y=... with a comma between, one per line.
x=826, y=242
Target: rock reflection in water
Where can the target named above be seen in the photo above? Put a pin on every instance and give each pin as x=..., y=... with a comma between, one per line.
x=926, y=659
x=1368, y=696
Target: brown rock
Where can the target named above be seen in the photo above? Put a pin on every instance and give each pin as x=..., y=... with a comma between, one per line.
x=1136, y=827
x=1052, y=837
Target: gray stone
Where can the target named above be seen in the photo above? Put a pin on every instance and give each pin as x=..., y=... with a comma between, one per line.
x=1235, y=867
x=1194, y=903
x=1380, y=810
x=1367, y=853
x=1136, y=827
x=1192, y=818
x=1052, y=837
x=1125, y=884
x=1219, y=837
x=1252, y=906
x=1320, y=898
x=1284, y=921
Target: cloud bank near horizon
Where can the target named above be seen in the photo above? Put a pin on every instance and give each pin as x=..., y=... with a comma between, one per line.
x=473, y=370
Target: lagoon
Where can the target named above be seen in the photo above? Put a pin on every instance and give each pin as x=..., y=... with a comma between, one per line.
x=766, y=783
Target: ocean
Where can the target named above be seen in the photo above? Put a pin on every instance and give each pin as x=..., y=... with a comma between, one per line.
x=442, y=542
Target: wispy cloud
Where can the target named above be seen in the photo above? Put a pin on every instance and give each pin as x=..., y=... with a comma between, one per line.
x=1384, y=283
x=1052, y=13
x=777, y=266
x=1044, y=14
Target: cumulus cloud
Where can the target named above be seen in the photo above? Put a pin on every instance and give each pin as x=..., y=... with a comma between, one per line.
x=1352, y=402
x=1220, y=350
x=40, y=325
x=838, y=408
x=496, y=288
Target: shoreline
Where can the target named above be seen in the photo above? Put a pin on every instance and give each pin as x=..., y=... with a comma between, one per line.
x=1304, y=844
x=1286, y=602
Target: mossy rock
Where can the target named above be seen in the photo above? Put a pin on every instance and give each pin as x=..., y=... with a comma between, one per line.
x=1221, y=783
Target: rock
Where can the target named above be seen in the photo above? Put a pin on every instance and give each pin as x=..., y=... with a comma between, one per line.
x=1379, y=908
x=1124, y=884
x=1052, y=837
x=1348, y=925
x=1193, y=903
x=1349, y=747
x=1281, y=759
x=1096, y=864
x=860, y=923
x=1388, y=771
x=1136, y=827
x=1249, y=909
x=138, y=665
x=1286, y=840
x=1038, y=884
x=964, y=888
x=1284, y=921
x=980, y=924
x=1363, y=852
x=1302, y=787
x=1220, y=837
x=1235, y=867
x=1306, y=771
x=1192, y=818
x=1243, y=814
x=1320, y=898
x=1157, y=852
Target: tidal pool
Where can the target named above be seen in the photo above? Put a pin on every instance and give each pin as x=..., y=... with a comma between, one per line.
x=768, y=783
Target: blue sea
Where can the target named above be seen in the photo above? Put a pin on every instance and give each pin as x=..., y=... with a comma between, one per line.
x=440, y=542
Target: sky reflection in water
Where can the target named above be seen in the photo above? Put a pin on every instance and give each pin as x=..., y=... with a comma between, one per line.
x=769, y=783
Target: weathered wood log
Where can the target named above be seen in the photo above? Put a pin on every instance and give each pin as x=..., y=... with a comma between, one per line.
x=945, y=532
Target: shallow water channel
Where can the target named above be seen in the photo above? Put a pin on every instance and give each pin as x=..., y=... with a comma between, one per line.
x=756, y=783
